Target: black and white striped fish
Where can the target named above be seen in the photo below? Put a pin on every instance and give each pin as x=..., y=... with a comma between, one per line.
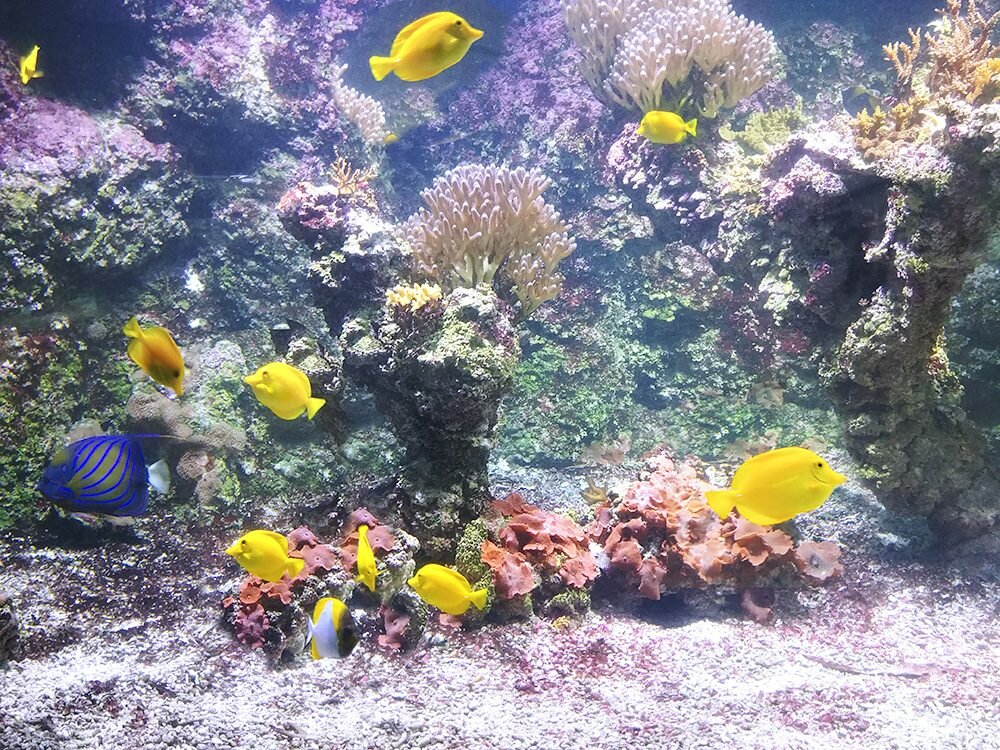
x=106, y=474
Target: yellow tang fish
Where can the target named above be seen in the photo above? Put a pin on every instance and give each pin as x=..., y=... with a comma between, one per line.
x=156, y=352
x=777, y=485
x=285, y=390
x=666, y=127
x=331, y=630
x=366, y=559
x=426, y=47
x=29, y=66
x=265, y=554
x=446, y=589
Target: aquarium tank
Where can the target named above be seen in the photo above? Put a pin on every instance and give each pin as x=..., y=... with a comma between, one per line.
x=499, y=374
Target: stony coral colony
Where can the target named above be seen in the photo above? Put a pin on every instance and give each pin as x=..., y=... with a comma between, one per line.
x=430, y=315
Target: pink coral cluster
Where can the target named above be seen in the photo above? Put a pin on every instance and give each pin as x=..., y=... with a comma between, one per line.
x=662, y=536
x=536, y=542
x=257, y=597
x=379, y=537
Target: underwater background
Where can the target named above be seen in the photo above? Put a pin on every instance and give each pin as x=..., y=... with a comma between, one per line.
x=629, y=380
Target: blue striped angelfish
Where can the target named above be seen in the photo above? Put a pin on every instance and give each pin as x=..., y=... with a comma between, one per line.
x=106, y=474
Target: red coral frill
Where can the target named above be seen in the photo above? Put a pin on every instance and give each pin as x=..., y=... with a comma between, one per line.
x=512, y=574
x=548, y=542
x=663, y=536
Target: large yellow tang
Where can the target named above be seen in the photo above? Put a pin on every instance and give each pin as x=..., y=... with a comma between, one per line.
x=285, y=390
x=426, y=47
x=156, y=352
x=666, y=127
x=264, y=554
x=28, y=67
x=777, y=485
x=366, y=559
x=446, y=589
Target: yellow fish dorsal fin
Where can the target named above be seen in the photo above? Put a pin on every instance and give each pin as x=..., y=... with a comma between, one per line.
x=300, y=377
x=452, y=576
x=132, y=329
x=764, y=461
x=162, y=336
x=279, y=538
x=320, y=606
x=409, y=30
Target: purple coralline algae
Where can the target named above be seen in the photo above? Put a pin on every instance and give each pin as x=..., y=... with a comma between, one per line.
x=83, y=197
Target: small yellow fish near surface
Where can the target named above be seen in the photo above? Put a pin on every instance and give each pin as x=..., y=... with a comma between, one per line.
x=366, y=559
x=29, y=66
x=265, y=554
x=156, y=352
x=332, y=631
x=666, y=127
x=285, y=390
x=777, y=485
x=446, y=589
x=426, y=47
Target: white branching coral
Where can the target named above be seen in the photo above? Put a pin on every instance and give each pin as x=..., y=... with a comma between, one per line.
x=686, y=56
x=490, y=225
x=362, y=110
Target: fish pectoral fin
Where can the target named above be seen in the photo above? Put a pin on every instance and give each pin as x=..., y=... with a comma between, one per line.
x=159, y=477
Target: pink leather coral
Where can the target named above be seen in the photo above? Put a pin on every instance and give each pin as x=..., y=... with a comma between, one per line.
x=250, y=624
x=818, y=561
x=755, y=544
x=512, y=574
x=396, y=625
x=379, y=537
x=662, y=535
x=551, y=542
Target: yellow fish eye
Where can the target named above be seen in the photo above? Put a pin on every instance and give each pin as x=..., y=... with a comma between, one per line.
x=819, y=465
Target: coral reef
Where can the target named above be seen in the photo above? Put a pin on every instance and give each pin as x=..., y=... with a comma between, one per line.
x=689, y=56
x=355, y=258
x=489, y=225
x=662, y=537
x=439, y=374
x=85, y=200
x=532, y=550
x=271, y=615
x=10, y=636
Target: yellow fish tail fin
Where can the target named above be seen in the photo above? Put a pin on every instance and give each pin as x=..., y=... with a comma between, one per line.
x=38, y=74
x=294, y=566
x=313, y=405
x=382, y=66
x=721, y=501
x=478, y=598
x=132, y=328
x=691, y=126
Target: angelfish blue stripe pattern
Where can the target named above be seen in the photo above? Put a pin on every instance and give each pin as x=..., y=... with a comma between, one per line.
x=107, y=475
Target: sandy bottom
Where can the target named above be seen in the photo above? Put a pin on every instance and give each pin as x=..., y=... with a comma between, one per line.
x=124, y=649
